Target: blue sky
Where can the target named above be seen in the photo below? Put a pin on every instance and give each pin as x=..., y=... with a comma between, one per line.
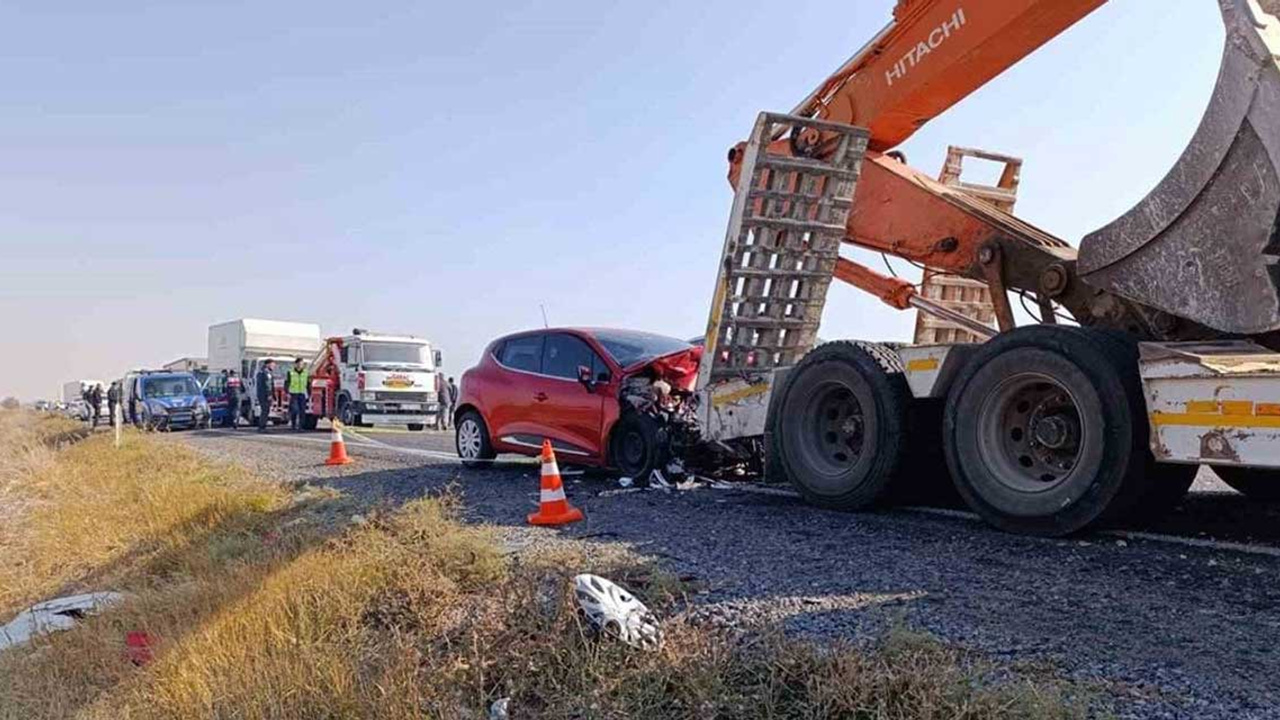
x=443, y=169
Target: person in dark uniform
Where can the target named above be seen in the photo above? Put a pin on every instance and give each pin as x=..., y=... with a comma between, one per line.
x=266, y=383
x=235, y=389
x=113, y=401
x=95, y=403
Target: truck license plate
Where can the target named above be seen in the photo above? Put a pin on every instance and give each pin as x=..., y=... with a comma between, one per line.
x=411, y=406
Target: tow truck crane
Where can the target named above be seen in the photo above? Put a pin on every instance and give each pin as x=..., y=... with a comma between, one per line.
x=1172, y=359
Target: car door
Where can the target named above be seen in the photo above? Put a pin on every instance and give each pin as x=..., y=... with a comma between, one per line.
x=508, y=395
x=569, y=411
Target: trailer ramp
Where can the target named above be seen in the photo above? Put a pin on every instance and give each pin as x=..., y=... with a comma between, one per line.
x=788, y=219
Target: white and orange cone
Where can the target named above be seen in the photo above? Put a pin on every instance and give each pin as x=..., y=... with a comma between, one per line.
x=337, y=446
x=554, y=508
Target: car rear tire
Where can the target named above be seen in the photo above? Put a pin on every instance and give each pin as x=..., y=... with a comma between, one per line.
x=1043, y=433
x=638, y=446
x=471, y=438
x=1261, y=484
x=838, y=432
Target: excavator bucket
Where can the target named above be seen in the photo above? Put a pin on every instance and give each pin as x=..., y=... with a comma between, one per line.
x=1204, y=244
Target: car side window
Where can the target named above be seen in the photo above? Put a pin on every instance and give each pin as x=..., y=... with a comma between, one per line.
x=564, y=354
x=523, y=353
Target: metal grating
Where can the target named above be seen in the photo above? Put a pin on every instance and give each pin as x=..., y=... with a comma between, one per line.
x=789, y=217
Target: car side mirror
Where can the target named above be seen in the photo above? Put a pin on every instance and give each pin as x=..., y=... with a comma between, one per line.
x=585, y=377
x=438, y=357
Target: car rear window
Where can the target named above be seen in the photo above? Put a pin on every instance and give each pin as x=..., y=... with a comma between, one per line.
x=522, y=353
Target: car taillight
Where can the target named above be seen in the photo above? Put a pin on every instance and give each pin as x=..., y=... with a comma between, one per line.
x=360, y=380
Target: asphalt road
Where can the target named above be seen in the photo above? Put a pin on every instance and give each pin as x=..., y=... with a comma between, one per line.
x=1212, y=512
x=1171, y=624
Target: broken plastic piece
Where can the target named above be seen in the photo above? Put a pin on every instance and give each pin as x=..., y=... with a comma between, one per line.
x=54, y=615
x=498, y=710
x=614, y=611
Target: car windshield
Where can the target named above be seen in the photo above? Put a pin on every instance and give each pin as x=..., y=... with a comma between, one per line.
x=388, y=353
x=628, y=347
x=170, y=387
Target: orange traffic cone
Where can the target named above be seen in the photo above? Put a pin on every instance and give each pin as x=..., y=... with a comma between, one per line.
x=555, y=508
x=337, y=447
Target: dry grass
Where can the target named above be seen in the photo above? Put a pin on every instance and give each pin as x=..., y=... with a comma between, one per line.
x=263, y=605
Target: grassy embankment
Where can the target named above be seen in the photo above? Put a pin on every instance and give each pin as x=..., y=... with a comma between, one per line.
x=269, y=602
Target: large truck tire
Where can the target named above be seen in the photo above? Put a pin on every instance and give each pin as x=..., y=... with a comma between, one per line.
x=839, y=428
x=1262, y=484
x=1044, y=432
x=417, y=427
x=923, y=477
x=1162, y=485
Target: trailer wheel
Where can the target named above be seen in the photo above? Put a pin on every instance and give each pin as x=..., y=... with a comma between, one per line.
x=1162, y=485
x=1254, y=483
x=1041, y=432
x=839, y=428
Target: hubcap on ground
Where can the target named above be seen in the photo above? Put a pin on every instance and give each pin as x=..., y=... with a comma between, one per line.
x=469, y=439
x=1029, y=433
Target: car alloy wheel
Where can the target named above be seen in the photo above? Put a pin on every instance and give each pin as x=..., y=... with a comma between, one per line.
x=469, y=440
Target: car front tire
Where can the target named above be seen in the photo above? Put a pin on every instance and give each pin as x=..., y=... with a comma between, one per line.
x=471, y=439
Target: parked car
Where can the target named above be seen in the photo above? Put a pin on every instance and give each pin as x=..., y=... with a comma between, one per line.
x=597, y=394
x=167, y=401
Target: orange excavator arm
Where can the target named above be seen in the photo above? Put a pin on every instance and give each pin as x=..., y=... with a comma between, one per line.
x=933, y=55
x=1198, y=257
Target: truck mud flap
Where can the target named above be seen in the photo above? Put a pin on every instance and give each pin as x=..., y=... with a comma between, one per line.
x=1203, y=245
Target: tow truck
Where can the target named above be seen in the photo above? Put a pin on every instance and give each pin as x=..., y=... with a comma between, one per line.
x=374, y=379
x=1157, y=343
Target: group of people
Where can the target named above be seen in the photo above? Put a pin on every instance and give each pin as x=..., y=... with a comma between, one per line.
x=297, y=381
x=447, y=398
x=264, y=382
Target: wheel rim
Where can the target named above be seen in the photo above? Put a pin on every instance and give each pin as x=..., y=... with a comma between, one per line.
x=345, y=414
x=469, y=439
x=631, y=452
x=833, y=433
x=1030, y=434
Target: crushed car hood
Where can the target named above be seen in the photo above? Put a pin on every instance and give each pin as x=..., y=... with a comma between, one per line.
x=679, y=368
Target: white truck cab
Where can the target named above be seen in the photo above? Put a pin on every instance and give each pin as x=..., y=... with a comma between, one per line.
x=368, y=378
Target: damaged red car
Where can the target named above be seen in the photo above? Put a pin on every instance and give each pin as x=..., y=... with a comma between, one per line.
x=608, y=398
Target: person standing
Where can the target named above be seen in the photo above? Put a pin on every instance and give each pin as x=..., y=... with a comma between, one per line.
x=444, y=404
x=113, y=401
x=95, y=403
x=297, y=383
x=453, y=399
x=264, y=383
x=234, y=390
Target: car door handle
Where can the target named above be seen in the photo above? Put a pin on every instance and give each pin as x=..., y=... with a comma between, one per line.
x=540, y=397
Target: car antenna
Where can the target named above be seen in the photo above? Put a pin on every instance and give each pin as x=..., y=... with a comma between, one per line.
x=545, y=324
